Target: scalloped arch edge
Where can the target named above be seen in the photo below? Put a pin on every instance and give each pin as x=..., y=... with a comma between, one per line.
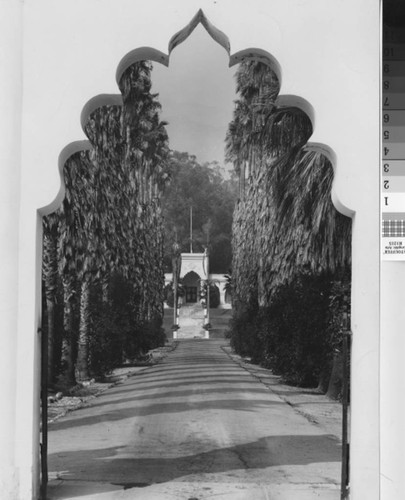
x=64, y=155
x=255, y=54
x=140, y=54
x=331, y=156
x=98, y=102
x=149, y=53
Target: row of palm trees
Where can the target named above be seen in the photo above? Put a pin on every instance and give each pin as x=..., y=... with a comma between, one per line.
x=285, y=224
x=109, y=225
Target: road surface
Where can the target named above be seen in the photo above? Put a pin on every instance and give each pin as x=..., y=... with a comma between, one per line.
x=197, y=426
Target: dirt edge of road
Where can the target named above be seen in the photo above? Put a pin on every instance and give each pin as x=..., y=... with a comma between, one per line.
x=82, y=395
x=315, y=406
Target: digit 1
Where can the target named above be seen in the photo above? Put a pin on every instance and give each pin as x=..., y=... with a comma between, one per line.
x=386, y=201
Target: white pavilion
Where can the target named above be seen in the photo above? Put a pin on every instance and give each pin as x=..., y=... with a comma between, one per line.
x=193, y=272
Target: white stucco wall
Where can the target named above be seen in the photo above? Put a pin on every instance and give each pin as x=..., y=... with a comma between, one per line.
x=10, y=145
x=220, y=282
x=328, y=51
x=193, y=262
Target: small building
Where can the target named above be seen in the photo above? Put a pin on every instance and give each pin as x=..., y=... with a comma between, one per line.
x=193, y=273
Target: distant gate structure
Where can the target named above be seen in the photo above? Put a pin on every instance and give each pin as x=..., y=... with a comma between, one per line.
x=193, y=269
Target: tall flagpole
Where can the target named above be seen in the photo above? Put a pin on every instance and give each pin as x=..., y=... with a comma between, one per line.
x=191, y=229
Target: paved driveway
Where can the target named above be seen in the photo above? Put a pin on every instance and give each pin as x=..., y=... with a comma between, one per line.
x=196, y=426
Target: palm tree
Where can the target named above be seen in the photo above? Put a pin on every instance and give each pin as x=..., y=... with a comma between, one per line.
x=105, y=133
x=286, y=207
x=306, y=186
x=69, y=224
x=83, y=228
x=228, y=284
x=110, y=220
x=258, y=88
x=176, y=267
x=50, y=278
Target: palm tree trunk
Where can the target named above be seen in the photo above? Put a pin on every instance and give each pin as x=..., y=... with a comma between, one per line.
x=156, y=189
x=68, y=373
x=82, y=365
x=105, y=289
x=50, y=272
x=336, y=378
x=50, y=306
x=151, y=190
x=242, y=180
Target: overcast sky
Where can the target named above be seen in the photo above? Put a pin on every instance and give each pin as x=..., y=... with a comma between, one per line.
x=197, y=92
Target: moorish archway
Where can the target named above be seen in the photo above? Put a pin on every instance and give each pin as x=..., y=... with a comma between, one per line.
x=95, y=111
x=351, y=81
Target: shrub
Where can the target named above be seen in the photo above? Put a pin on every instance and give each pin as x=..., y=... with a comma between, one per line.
x=244, y=333
x=105, y=344
x=214, y=296
x=153, y=335
x=295, y=330
x=339, y=306
x=116, y=332
x=297, y=335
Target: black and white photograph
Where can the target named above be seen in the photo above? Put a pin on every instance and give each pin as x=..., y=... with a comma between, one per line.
x=202, y=246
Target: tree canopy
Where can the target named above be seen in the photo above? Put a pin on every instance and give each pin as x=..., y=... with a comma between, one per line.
x=212, y=198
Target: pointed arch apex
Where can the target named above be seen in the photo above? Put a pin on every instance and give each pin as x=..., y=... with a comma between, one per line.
x=200, y=18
